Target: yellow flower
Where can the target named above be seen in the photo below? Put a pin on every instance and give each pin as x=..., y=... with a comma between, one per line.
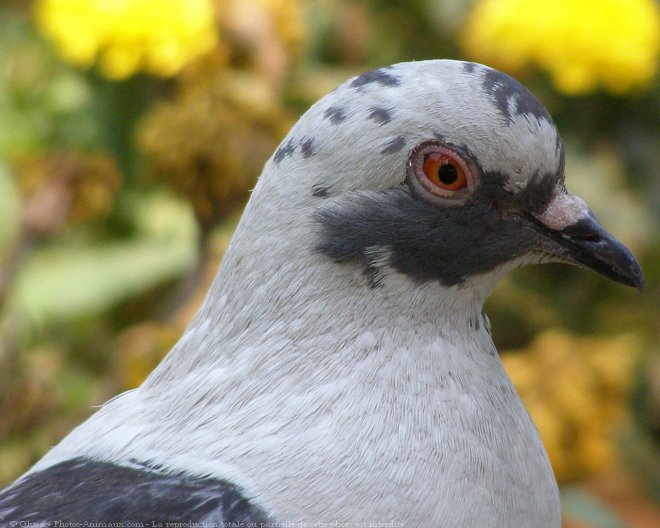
x=576, y=390
x=583, y=44
x=127, y=36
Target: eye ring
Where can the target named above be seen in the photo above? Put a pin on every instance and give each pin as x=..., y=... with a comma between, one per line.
x=437, y=169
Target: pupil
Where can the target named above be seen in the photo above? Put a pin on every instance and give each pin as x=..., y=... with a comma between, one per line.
x=447, y=174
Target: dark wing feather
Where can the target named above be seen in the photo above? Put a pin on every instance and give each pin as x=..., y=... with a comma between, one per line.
x=84, y=490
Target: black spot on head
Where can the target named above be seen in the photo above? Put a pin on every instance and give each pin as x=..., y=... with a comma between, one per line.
x=380, y=76
x=532, y=198
x=485, y=320
x=424, y=241
x=493, y=185
x=380, y=114
x=537, y=193
x=335, y=114
x=307, y=147
x=284, y=151
x=469, y=67
x=505, y=90
x=562, y=159
x=320, y=190
x=474, y=322
x=87, y=490
x=394, y=145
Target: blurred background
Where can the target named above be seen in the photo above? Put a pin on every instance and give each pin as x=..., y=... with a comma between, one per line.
x=132, y=131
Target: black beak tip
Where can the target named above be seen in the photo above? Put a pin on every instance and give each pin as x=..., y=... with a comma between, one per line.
x=635, y=275
x=623, y=267
x=592, y=246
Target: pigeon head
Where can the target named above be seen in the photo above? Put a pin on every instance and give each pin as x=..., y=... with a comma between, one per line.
x=441, y=171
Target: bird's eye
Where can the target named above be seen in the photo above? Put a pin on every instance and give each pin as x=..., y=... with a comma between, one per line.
x=444, y=171
x=438, y=171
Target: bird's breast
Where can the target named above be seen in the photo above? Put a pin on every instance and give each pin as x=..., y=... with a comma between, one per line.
x=433, y=437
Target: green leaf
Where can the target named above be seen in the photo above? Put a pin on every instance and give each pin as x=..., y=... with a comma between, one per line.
x=68, y=281
x=10, y=210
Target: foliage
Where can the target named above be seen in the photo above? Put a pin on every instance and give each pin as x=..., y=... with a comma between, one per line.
x=185, y=148
x=124, y=165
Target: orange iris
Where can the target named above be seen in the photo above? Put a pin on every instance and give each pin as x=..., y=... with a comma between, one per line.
x=444, y=172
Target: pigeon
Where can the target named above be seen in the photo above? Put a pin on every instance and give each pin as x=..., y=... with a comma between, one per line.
x=341, y=370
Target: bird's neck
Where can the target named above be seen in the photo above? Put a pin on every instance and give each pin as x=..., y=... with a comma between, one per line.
x=274, y=288
x=323, y=305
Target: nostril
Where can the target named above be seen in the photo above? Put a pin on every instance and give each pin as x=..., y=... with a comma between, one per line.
x=587, y=237
x=584, y=231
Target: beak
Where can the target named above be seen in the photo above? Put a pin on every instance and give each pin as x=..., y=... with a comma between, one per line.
x=570, y=229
